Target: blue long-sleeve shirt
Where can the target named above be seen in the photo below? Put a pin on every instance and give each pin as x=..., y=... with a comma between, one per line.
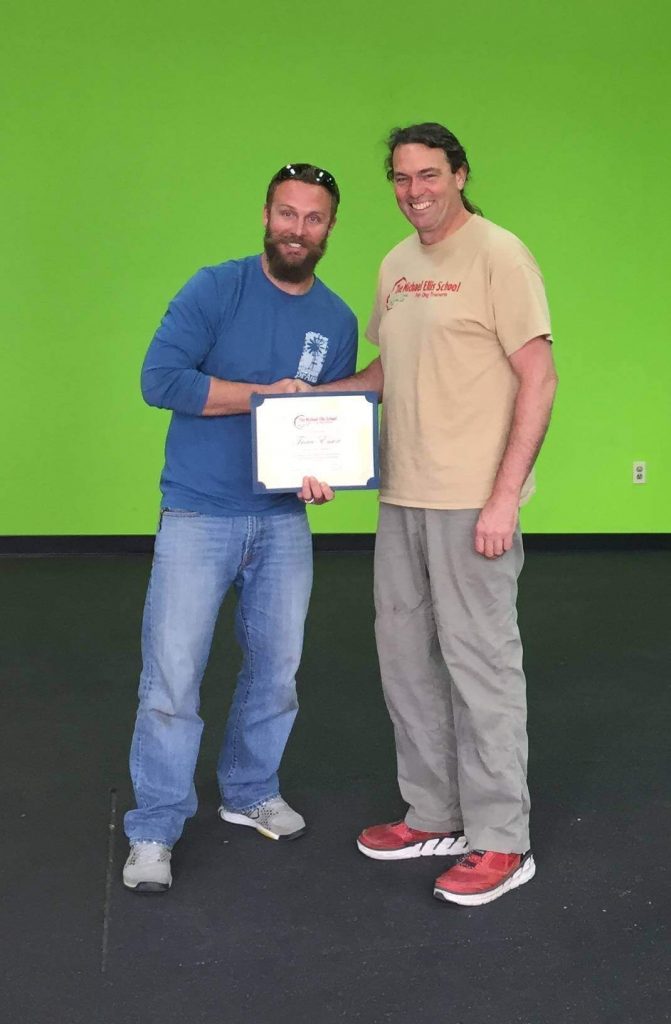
x=232, y=322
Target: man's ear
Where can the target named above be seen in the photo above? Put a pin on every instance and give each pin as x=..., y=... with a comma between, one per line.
x=331, y=226
x=266, y=214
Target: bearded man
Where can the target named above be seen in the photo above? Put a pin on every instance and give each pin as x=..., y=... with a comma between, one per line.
x=258, y=324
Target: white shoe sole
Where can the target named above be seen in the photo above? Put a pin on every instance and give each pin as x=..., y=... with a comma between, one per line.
x=148, y=887
x=429, y=848
x=242, y=819
x=524, y=873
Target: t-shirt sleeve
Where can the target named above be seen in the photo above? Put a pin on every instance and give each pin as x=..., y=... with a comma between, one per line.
x=171, y=376
x=373, y=327
x=520, y=306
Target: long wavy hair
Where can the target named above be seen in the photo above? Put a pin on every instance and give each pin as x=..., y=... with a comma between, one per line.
x=435, y=136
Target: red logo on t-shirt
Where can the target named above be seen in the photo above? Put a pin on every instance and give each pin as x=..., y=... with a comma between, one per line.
x=427, y=289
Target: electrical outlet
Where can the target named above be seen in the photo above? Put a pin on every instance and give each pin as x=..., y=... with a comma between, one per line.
x=639, y=472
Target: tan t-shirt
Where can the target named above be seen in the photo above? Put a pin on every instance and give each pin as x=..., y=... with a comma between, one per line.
x=446, y=318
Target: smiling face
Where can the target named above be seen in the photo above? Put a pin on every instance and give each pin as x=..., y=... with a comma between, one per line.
x=298, y=223
x=428, y=193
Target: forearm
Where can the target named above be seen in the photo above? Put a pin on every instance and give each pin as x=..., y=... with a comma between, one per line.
x=182, y=391
x=531, y=416
x=369, y=379
x=230, y=397
x=534, y=368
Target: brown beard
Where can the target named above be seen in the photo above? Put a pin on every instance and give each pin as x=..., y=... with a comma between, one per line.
x=293, y=273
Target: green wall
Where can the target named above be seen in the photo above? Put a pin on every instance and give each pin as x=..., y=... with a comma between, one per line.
x=139, y=138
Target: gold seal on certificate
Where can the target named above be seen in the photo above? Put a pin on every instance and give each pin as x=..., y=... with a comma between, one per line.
x=332, y=436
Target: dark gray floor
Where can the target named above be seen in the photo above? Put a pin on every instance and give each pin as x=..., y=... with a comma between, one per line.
x=311, y=931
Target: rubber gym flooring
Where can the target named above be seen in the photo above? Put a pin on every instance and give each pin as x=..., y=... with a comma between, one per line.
x=311, y=931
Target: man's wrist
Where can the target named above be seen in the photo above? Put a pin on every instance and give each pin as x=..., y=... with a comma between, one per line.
x=505, y=496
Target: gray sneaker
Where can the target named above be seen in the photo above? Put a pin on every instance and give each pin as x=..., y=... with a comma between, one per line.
x=148, y=868
x=274, y=819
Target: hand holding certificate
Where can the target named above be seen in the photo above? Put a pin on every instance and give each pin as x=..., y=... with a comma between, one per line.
x=332, y=436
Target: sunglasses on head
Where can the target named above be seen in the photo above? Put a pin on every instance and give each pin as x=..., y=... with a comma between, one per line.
x=309, y=174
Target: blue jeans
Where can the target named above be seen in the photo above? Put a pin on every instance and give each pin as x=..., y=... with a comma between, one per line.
x=268, y=559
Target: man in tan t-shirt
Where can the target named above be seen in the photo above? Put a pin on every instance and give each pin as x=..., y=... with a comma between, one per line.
x=465, y=362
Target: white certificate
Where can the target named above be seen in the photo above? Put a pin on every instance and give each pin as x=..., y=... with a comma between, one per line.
x=332, y=436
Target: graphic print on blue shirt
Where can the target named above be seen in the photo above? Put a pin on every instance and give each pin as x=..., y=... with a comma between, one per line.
x=232, y=322
x=312, y=360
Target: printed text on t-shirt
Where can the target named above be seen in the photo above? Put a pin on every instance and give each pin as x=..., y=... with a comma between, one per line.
x=425, y=289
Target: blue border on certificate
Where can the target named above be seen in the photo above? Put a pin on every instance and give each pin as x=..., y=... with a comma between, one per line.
x=371, y=396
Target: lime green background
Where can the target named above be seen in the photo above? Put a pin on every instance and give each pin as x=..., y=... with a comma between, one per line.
x=138, y=141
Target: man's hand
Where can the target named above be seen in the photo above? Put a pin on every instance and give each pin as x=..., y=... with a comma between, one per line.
x=286, y=386
x=496, y=527
x=315, y=492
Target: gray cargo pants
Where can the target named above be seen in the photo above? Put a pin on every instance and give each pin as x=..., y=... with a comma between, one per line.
x=451, y=664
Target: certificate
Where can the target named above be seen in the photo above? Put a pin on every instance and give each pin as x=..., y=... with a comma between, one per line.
x=332, y=436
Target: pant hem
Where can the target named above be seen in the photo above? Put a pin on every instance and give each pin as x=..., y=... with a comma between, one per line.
x=412, y=821
x=248, y=807
x=161, y=842
x=490, y=842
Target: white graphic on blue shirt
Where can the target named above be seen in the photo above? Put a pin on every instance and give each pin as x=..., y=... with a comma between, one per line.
x=313, y=356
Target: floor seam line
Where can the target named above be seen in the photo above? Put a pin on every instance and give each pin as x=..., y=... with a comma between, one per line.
x=109, y=873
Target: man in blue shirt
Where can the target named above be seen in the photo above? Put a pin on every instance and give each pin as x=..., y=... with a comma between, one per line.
x=259, y=324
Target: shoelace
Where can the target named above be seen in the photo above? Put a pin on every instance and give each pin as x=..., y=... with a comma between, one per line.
x=147, y=851
x=471, y=859
x=265, y=812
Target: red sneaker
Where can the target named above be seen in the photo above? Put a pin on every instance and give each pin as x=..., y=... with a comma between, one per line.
x=482, y=876
x=398, y=841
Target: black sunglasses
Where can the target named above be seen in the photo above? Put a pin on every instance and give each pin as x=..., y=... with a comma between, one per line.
x=303, y=172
